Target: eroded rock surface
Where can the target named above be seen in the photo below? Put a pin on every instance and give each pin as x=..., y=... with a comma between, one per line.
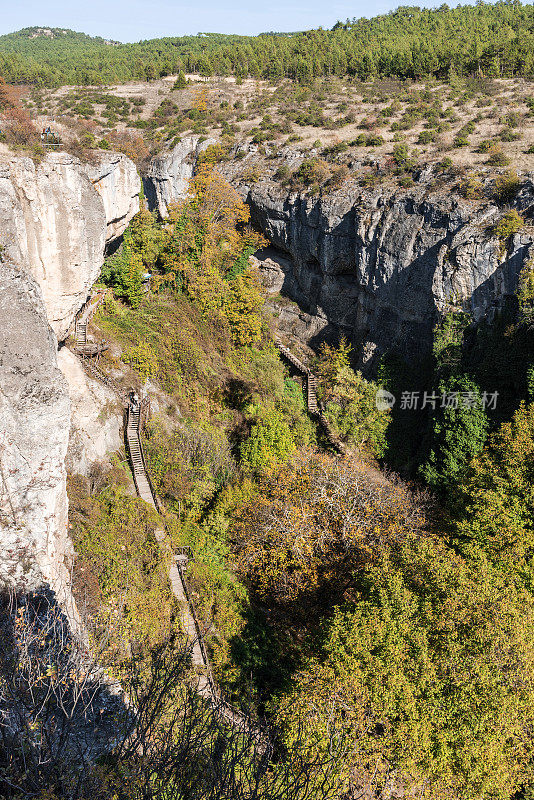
x=117, y=181
x=96, y=417
x=34, y=429
x=381, y=265
x=56, y=218
x=168, y=175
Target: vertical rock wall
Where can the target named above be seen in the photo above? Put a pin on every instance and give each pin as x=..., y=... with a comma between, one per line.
x=55, y=221
x=34, y=430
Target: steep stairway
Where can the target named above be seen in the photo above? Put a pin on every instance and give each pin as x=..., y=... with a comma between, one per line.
x=206, y=686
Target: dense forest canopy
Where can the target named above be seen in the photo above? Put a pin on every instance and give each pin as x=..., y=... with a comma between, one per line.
x=410, y=42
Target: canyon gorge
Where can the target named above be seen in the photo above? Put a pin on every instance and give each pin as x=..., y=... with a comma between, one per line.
x=378, y=264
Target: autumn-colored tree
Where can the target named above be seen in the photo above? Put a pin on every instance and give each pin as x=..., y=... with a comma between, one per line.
x=430, y=673
x=9, y=96
x=314, y=520
x=207, y=249
x=200, y=103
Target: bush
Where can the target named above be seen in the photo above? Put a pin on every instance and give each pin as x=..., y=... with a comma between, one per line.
x=270, y=442
x=506, y=186
x=312, y=171
x=425, y=137
x=471, y=187
x=497, y=158
x=509, y=224
x=459, y=432
x=402, y=158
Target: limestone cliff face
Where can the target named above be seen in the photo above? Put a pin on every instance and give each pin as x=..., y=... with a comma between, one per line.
x=168, y=175
x=96, y=418
x=34, y=429
x=55, y=220
x=380, y=265
x=116, y=180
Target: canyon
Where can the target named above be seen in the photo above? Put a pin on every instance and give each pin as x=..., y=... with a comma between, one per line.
x=379, y=264
x=376, y=264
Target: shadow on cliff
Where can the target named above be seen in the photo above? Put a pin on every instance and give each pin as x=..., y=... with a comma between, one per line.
x=59, y=714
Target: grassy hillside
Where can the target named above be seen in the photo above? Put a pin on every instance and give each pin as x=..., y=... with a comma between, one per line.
x=493, y=39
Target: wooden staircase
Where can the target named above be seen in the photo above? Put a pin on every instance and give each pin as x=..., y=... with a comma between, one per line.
x=81, y=334
x=83, y=346
x=313, y=408
x=207, y=686
x=136, y=455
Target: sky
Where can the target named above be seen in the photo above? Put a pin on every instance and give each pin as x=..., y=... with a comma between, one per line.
x=132, y=20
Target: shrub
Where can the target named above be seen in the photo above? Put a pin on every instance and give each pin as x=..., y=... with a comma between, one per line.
x=425, y=137
x=506, y=185
x=270, y=442
x=312, y=171
x=471, y=187
x=283, y=173
x=509, y=224
x=374, y=140
x=497, y=158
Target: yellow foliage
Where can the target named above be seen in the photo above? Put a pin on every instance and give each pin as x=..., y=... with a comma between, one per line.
x=208, y=242
x=314, y=515
x=200, y=102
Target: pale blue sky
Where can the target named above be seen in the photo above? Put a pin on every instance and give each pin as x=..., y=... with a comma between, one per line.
x=131, y=20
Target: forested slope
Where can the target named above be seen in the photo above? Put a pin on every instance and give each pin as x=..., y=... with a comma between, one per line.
x=495, y=39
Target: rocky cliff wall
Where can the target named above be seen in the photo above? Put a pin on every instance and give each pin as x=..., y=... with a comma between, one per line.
x=55, y=221
x=96, y=417
x=56, y=218
x=168, y=175
x=377, y=264
x=381, y=265
x=34, y=431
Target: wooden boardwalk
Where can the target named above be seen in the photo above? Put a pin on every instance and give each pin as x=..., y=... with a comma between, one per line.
x=82, y=345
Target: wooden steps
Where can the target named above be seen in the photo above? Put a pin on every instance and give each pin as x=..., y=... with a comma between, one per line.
x=206, y=686
x=81, y=334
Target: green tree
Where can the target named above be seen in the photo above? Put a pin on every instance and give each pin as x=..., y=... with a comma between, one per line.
x=350, y=400
x=180, y=82
x=459, y=430
x=270, y=442
x=429, y=673
x=497, y=500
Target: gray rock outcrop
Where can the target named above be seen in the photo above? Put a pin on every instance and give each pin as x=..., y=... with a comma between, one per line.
x=381, y=265
x=34, y=413
x=168, y=176
x=117, y=181
x=56, y=218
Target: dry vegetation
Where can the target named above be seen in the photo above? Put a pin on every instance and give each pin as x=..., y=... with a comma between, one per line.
x=469, y=121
